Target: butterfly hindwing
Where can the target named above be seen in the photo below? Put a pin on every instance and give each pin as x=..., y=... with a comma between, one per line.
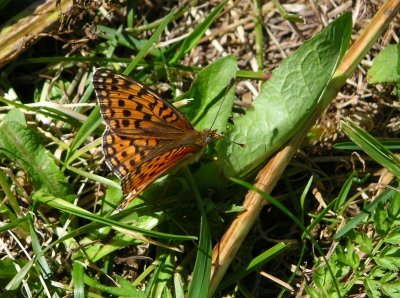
x=141, y=177
x=123, y=154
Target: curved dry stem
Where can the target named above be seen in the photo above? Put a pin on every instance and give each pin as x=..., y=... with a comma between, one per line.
x=21, y=31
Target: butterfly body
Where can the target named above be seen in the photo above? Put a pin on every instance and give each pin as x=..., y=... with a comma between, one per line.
x=146, y=136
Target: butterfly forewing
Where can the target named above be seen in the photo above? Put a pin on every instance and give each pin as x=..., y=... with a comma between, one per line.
x=130, y=108
x=123, y=153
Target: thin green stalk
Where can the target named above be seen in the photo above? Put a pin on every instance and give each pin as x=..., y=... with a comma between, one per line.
x=258, y=30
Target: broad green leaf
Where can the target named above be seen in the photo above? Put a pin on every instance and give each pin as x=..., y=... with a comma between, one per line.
x=208, y=92
x=389, y=276
x=363, y=240
x=286, y=100
x=352, y=256
x=377, y=272
x=313, y=292
x=383, y=69
x=23, y=145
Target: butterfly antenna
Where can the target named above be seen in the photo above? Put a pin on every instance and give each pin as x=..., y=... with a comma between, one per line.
x=233, y=142
x=219, y=109
x=222, y=102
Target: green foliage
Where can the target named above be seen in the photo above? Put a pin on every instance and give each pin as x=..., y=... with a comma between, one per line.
x=208, y=91
x=286, y=100
x=361, y=253
x=384, y=68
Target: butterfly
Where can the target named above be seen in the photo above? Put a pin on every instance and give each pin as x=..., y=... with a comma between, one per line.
x=146, y=136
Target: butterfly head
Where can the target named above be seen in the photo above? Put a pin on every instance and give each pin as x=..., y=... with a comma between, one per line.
x=210, y=135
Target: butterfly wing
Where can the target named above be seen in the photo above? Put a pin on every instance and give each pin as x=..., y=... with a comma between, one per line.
x=142, y=176
x=130, y=108
x=123, y=154
x=146, y=136
x=141, y=125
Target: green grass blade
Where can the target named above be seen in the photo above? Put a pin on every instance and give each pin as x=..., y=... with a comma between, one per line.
x=88, y=127
x=253, y=265
x=194, y=37
x=15, y=283
x=200, y=285
x=75, y=210
x=353, y=146
x=371, y=146
x=383, y=197
x=150, y=43
x=78, y=275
